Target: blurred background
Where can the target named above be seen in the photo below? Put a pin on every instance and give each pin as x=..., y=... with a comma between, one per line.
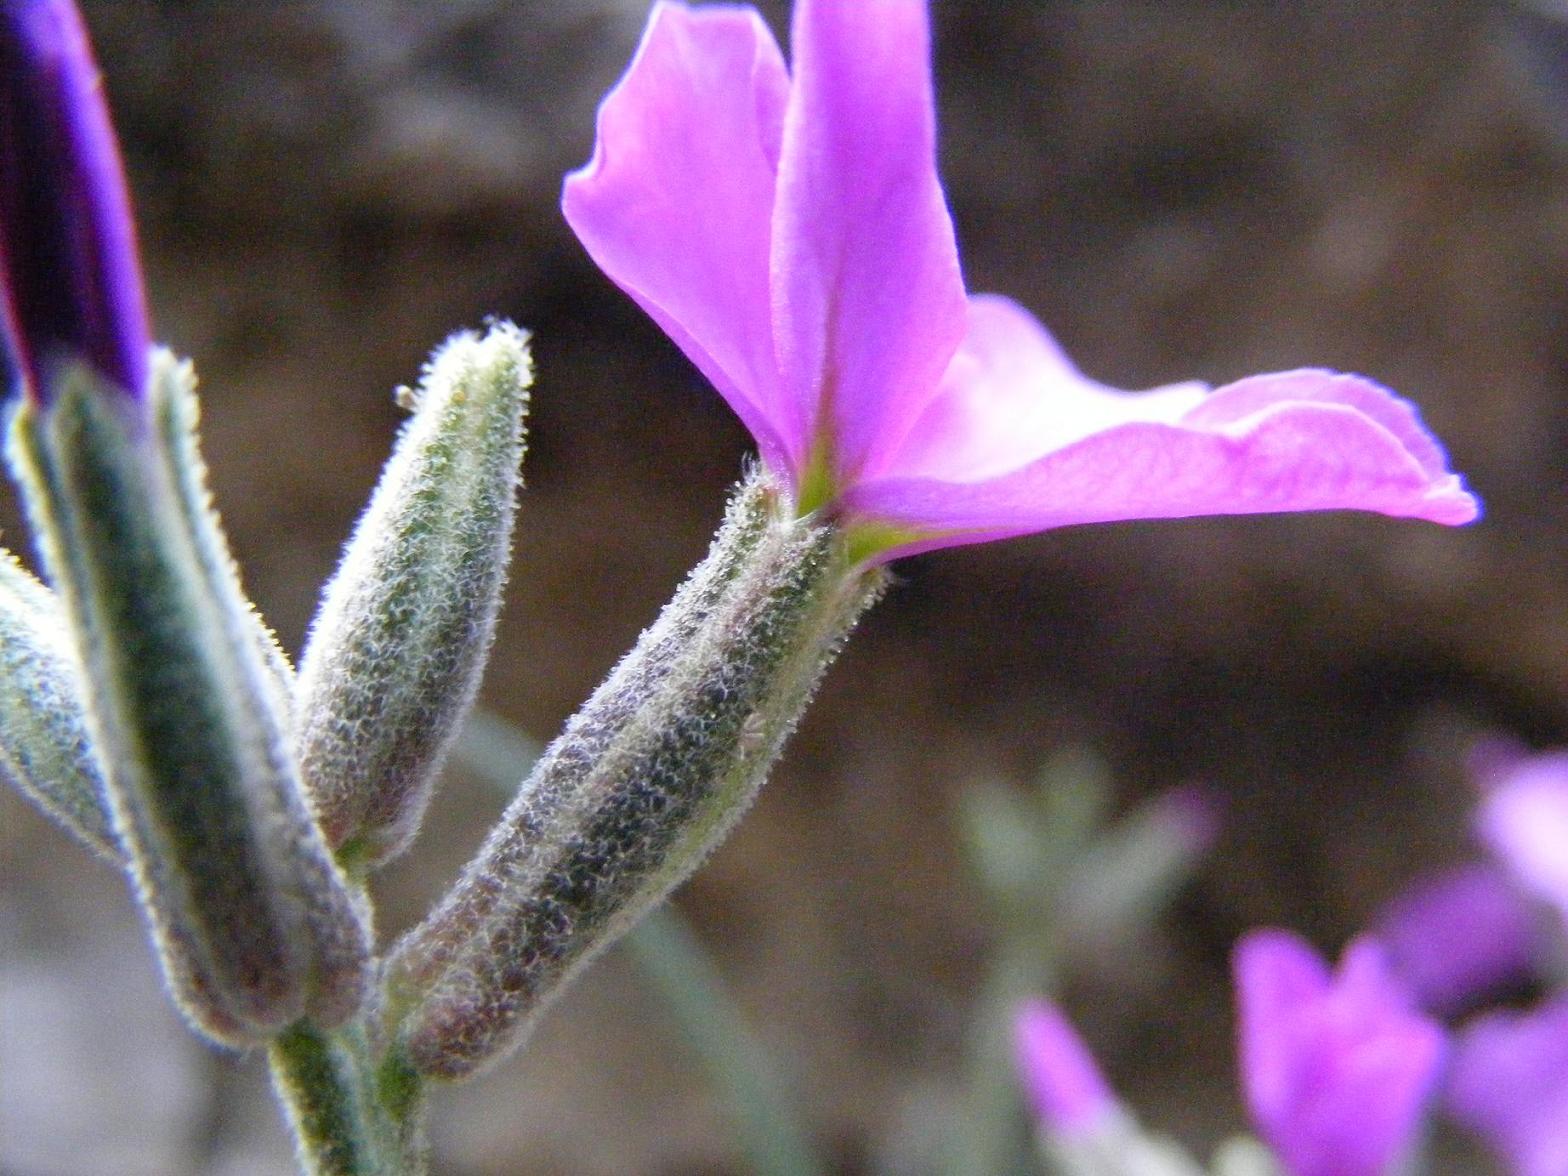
x=1190, y=189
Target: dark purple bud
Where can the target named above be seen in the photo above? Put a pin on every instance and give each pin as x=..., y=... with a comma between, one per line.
x=70, y=286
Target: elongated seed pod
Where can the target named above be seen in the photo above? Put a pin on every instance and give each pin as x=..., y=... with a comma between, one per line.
x=643, y=782
x=177, y=417
x=45, y=746
x=396, y=653
x=254, y=924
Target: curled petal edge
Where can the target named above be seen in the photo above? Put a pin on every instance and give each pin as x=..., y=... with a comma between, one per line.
x=1291, y=455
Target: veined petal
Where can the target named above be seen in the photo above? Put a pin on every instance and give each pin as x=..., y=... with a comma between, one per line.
x=1011, y=393
x=1306, y=440
x=869, y=301
x=677, y=202
x=1255, y=394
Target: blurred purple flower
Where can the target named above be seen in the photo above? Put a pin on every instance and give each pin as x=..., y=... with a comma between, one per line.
x=1509, y=1084
x=791, y=235
x=1063, y=1085
x=1458, y=936
x=70, y=286
x=1523, y=820
x=1337, y=1068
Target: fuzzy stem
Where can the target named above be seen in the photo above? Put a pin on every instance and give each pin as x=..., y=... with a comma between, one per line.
x=744, y=1075
x=352, y=1112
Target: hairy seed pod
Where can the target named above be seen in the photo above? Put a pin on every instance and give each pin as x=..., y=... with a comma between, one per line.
x=396, y=653
x=45, y=746
x=254, y=924
x=645, y=780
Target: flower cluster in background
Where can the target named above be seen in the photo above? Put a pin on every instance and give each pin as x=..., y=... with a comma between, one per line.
x=1343, y=1070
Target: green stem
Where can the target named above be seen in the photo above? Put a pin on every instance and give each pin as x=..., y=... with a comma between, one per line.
x=989, y=1137
x=352, y=1113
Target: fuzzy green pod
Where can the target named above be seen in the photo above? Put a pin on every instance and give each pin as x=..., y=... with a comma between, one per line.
x=177, y=416
x=254, y=925
x=645, y=780
x=45, y=747
x=396, y=653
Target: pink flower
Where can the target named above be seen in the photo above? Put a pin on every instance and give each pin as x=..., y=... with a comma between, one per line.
x=788, y=230
x=1338, y=1068
x=1510, y=1085
x=1460, y=935
x=1523, y=820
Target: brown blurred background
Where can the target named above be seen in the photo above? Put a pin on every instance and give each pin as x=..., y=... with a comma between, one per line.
x=1183, y=189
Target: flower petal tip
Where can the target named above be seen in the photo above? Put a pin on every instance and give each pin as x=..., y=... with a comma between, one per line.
x=1065, y=1089
x=70, y=283
x=675, y=202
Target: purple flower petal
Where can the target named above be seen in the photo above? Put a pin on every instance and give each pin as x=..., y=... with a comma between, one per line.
x=1523, y=819
x=1276, y=975
x=869, y=301
x=677, y=202
x=1337, y=1069
x=1010, y=394
x=1064, y=1087
x=70, y=286
x=1258, y=394
x=1458, y=936
x=1080, y=452
x=1509, y=1084
x=805, y=261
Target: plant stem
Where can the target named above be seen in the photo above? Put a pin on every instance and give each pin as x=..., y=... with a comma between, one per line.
x=352, y=1113
x=988, y=1137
